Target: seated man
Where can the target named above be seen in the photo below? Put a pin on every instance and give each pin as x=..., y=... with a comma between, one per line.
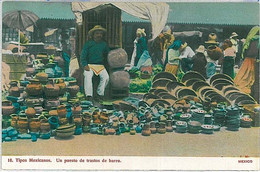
x=93, y=57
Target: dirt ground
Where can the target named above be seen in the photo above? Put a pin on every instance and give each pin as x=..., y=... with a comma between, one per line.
x=223, y=143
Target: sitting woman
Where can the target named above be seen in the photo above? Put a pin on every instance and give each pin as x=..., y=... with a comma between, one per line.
x=172, y=60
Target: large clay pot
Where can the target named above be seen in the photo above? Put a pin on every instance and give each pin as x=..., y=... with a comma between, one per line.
x=53, y=112
x=73, y=88
x=7, y=108
x=14, y=89
x=62, y=111
x=34, y=125
x=62, y=86
x=117, y=58
x=51, y=89
x=30, y=112
x=34, y=88
x=120, y=79
x=30, y=71
x=214, y=53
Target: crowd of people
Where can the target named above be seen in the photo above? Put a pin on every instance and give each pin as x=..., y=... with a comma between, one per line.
x=175, y=55
x=178, y=57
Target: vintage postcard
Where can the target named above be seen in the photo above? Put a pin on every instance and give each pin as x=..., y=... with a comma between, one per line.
x=130, y=85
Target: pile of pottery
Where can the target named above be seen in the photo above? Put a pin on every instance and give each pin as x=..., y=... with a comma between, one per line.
x=35, y=104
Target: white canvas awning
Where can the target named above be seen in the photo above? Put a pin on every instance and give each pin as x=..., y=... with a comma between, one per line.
x=156, y=12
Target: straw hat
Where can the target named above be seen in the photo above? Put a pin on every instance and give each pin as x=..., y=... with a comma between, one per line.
x=212, y=39
x=141, y=31
x=234, y=34
x=165, y=75
x=201, y=49
x=183, y=46
x=192, y=74
x=96, y=28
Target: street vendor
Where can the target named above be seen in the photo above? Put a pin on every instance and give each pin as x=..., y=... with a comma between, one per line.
x=229, y=58
x=139, y=46
x=172, y=60
x=186, y=54
x=93, y=57
x=213, y=54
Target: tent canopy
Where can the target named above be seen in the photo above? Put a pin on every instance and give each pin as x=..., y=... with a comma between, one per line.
x=155, y=12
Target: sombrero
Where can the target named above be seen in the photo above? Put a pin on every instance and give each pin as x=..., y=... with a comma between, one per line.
x=165, y=75
x=189, y=82
x=198, y=84
x=185, y=92
x=160, y=83
x=192, y=74
x=96, y=28
x=236, y=95
x=209, y=92
x=212, y=39
x=143, y=104
x=218, y=98
x=229, y=93
x=222, y=76
x=172, y=85
x=170, y=101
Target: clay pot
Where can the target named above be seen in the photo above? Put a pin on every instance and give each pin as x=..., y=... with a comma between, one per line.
x=22, y=124
x=76, y=109
x=51, y=89
x=45, y=126
x=51, y=103
x=30, y=71
x=34, y=88
x=7, y=108
x=14, y=121
x=103, y=117
x=14, y=89
x=161, y=129
x=62, y=111
x=62, y=86
x=38, y=109
x=96, y=118
x=169, y=127
x=146, y=130
x=53, y=112
x=86, y=118
x=42, y=77
x=34, y=125
x=73, y=88
x=152, y=127
x=120, y=79
x=77, y=120
x=30, y=112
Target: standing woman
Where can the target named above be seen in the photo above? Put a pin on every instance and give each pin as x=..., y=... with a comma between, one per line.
x=139, y=46
x=229, y=58
x=248, y=74
x=172, y=60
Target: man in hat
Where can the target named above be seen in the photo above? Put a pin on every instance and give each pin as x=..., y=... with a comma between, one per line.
x=237, y=46
x=93, y=57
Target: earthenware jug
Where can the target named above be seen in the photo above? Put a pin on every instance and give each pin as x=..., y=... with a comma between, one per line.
x=34, y=88
x=62, y=111
x=61, y=83
x=7, y=108
x=14, y=121
x=168, y=126
x=30, y=112
x=42, y=77
x=51, y=89
x=45, y=125
x=34, y=125
x=73, y=88
x=22, y=124
x=14, y=89
x=146, y=130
